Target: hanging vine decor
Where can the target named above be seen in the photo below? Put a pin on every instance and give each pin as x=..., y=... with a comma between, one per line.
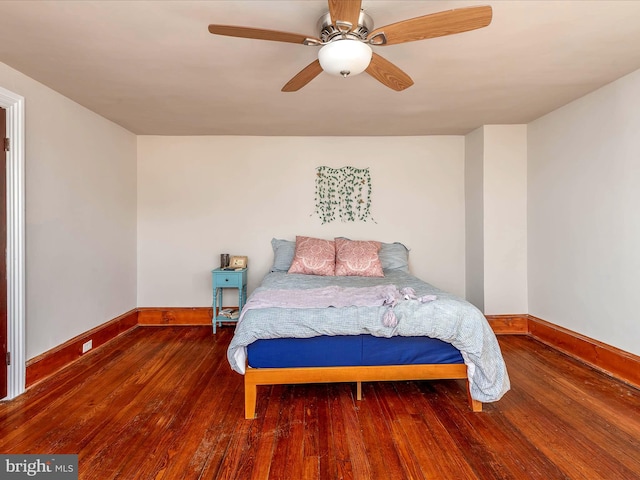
x=343, y=193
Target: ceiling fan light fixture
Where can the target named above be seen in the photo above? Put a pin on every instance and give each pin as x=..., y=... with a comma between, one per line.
x=345, y=57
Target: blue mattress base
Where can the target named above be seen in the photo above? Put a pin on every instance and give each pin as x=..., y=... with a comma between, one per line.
x=353, y=350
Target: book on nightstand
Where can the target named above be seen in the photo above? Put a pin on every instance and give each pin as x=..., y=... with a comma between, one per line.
x=230, y=313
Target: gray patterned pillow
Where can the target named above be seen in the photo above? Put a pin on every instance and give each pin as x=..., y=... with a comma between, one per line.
x=283, y=252
x=394, y=256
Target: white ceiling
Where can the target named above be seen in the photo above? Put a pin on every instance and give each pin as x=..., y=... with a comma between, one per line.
x=152, y=66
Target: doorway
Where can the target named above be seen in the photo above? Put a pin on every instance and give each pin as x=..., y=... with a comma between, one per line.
x=4, y=372
x=14, y=106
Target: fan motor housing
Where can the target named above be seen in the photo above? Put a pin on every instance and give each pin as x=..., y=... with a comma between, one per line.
x=328, y=31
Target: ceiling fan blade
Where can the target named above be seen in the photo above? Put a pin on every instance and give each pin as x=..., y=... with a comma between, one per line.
x=435, y=25
x=388, y=74
x=303, y=77
x=260, y=34
x=345, y=11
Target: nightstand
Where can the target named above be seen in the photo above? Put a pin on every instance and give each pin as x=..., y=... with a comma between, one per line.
x=227, y=279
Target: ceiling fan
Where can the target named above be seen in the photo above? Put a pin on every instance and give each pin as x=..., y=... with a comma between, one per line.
x=346, y=36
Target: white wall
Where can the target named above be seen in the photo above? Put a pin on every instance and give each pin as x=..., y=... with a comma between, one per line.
x=202, y=196
x=584, y=222
x=496, y=218
x=80, y=216
x=474, y=216
x=505, y=219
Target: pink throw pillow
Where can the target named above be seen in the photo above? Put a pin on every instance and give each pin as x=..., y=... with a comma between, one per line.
x=314, y=256
x=358, y=258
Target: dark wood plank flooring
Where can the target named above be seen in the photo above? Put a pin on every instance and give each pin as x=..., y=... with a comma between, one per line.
x=162, y=403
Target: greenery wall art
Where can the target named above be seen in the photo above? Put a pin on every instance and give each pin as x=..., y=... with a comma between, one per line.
x=343, y=193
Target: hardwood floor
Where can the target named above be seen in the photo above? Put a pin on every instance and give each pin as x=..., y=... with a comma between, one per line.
x=162, y=403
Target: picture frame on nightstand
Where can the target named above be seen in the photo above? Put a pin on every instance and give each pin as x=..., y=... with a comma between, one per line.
x=238, y=261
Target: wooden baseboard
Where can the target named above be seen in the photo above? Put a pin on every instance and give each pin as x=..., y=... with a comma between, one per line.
x=509, y=324
x=175, y=316
x=53, y=360
x=617, y=363
x=613, y=361
x=501, y=324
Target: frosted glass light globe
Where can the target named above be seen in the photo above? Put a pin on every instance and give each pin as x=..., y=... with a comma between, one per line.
x=345, y=57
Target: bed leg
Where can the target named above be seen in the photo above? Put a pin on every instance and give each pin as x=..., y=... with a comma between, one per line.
x=358, y=390
x=476, y=405
x=250, y=394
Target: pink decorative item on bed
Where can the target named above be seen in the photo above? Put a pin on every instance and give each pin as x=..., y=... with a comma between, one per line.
x=314, y=256
x=358, y=257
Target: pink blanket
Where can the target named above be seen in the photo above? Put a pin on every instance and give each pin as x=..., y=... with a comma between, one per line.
x=333, y=296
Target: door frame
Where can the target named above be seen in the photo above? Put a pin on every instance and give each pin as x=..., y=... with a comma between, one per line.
x=16, y=305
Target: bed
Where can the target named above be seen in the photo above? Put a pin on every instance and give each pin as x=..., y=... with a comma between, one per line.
x=321, y=328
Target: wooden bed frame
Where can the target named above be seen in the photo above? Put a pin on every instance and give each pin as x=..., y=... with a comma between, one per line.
x=284, y=376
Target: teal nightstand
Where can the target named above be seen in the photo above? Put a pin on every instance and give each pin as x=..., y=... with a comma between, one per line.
x=227, y=279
